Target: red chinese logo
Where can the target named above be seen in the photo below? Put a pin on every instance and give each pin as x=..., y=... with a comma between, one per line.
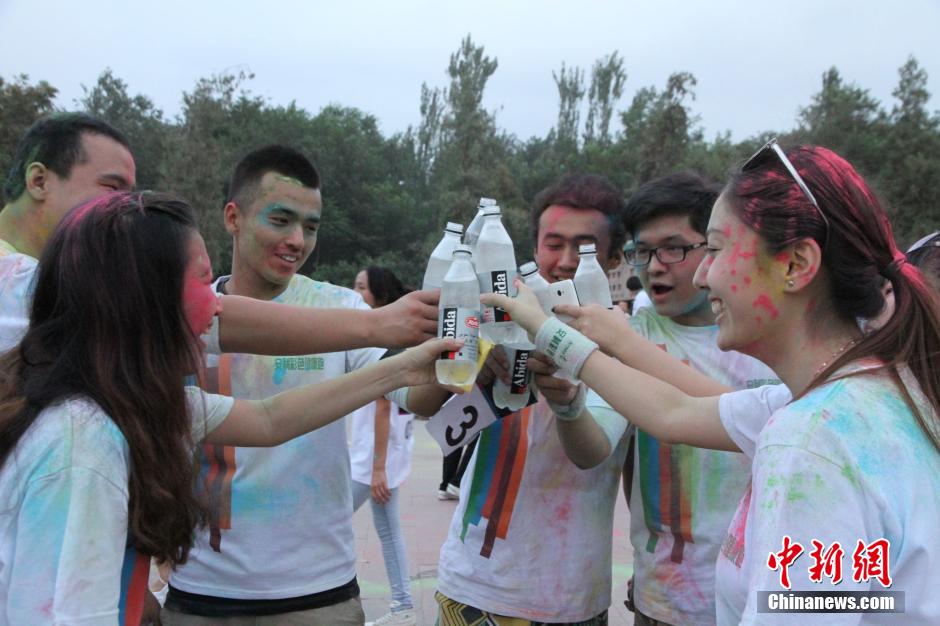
x=872, y=561
x=868, y=561
x=826, y=563
x=784, y=559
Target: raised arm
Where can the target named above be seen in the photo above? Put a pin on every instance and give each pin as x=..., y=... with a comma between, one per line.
x=652, y=405
x=263, y=327
x=274, y=420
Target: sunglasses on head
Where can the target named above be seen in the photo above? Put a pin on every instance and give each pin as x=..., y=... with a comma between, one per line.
x=773, y=147
x=932, y=240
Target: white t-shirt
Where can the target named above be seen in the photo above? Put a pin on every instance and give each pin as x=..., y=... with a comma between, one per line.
x=844, y=463
x=744, y=413
x=682, y=497
x=17, y=272
x=532, y=533
x=362, y=445
x=64, y=555
x=281, y=517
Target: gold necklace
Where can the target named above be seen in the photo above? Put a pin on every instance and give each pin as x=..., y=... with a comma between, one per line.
x=834, y=356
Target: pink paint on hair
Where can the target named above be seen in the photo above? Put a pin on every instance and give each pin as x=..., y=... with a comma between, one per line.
x=763, y=301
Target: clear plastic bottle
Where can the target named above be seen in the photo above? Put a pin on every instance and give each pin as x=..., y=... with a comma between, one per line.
x=459, y=318
x=515, y=395
x=495, y=262
x=476, y=225
x=440, y=259
x=590, y=279
x=535, y=282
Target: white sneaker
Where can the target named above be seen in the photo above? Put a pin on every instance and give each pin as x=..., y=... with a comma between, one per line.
x=397, y=618
x=443, y=494
x=454, y=490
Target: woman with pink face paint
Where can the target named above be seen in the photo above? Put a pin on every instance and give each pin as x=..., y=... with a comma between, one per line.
x=845, y=489
x=96, y=428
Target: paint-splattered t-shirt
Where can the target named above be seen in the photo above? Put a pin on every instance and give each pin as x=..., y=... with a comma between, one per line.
x=17, y=272
x=682, y=497
x=281, y=517
x=532, y=533
x=63, y=517
x=845, y=463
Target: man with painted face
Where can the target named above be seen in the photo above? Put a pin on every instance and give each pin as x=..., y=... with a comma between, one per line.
x=682, y=498
x=531, y=538
x=279, y=546
x=65, y=159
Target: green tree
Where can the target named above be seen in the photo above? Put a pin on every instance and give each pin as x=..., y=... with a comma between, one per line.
x=21, y=104
x=607, y=79
x=137, y=118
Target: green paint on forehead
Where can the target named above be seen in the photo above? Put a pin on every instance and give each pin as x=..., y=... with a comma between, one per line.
x=289, y=179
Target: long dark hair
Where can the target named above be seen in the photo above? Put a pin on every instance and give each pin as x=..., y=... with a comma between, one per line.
x=107, y=323
x=859, y=253
x=384, y=285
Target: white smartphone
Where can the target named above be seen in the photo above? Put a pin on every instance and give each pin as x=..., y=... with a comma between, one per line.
x=562, y=292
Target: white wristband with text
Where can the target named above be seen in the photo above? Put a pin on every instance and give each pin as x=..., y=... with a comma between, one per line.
x=565, y=346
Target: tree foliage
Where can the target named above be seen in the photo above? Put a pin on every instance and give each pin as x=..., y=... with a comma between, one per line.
x=386, y=199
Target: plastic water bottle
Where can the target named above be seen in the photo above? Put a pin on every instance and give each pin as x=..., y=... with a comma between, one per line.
x=496, y=269
x=440, y=259
x=476, y=225
x=535, y=282
x=590, y=280
x=459, y=318
x=515, y=395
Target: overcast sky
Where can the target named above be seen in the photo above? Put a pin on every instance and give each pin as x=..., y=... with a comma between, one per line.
x=756, y=62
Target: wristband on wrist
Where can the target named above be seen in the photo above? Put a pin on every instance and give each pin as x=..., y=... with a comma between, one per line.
x=570, y=412
x=565, y=346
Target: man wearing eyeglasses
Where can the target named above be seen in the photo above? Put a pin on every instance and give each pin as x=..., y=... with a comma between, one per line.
x=681, y=498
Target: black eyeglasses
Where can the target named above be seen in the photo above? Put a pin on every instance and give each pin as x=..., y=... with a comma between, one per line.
x=774, y=147
x=667, y=255
x=931, y=240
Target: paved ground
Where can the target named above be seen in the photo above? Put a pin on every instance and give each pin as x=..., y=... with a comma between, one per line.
x=425, y=520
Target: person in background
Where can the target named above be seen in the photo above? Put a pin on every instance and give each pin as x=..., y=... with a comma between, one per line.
x=380, y=457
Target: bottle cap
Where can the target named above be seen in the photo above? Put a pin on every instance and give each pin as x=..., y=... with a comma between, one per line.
x=528, y=269
x=492, y=209
x=454, y=227
x=587, y=248
x=462, y=249
x=485, y=202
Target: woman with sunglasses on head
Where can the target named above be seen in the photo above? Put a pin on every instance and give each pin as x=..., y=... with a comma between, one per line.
x=799, y=250
x=96, y=427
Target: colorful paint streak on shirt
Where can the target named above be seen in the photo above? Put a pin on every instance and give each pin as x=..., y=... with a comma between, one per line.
x=497, y=475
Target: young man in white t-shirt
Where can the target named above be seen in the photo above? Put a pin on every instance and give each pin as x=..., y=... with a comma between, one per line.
x=681, y=498
x=279, y=547
x=532, y=536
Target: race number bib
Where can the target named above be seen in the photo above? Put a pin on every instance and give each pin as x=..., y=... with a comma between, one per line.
x=460, y=419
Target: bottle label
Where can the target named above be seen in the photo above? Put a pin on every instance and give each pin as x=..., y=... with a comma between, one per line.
x=460, y=323
x=496, y=281
x=519, y=379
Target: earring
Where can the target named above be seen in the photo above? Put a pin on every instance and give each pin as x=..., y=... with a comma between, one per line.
x=790, y=283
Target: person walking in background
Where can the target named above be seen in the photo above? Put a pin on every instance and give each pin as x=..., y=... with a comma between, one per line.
x=380, y=456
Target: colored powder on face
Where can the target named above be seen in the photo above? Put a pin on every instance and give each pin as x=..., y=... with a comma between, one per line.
x=782, y=256
x=763, y=301
x=747, y=280
x=734, y=288
x=288, y=179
